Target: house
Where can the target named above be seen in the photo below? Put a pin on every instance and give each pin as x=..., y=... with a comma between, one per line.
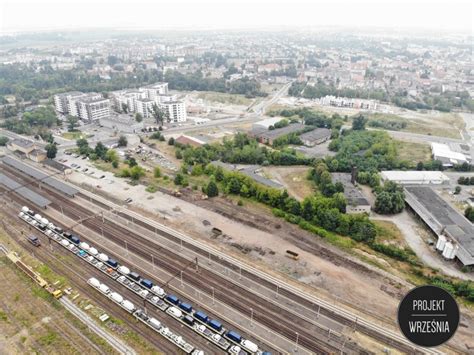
x=316, y=136
x=26, y=149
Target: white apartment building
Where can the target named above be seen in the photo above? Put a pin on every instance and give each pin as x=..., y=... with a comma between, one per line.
x=126, y=97
x=88, y=107
x=144, y=107
x=176, y=111
x=93, y=108
x=62, y=101
x=153, y=90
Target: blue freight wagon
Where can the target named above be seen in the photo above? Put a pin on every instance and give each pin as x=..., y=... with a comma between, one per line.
x=75, y=239
x=215, y=324
x=146, y=283
x=186, y=307
x=201, y=316
x=173, y=299
x=234, y=336
x=112, y=262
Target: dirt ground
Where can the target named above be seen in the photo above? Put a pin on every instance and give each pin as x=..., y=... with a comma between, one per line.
x=293, y=178
x=253, y=234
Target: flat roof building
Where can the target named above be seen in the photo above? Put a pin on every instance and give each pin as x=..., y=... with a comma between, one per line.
x=415, y=177
x=356, y=201
x=455, y=233
x=268, y=136
x=448, y=157
x=316, y=136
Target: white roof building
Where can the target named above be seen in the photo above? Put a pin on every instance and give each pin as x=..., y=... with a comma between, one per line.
x=447, y=156
x=415, y=177
x=266, y=123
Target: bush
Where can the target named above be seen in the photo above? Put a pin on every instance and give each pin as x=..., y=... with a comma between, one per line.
x=157, y=172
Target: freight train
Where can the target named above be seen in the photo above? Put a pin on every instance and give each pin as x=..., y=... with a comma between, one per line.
x=211, y=329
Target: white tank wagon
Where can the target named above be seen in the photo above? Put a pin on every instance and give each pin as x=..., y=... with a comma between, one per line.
x=441, y=242
x=449, y=251
x=94, y=282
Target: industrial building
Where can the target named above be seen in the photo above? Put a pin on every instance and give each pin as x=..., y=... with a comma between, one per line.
x=455, y=233
x=356, y=201
x=315, y=137
x=266, y=123
x=448, y=157
x=415, y=177
x=269, y=136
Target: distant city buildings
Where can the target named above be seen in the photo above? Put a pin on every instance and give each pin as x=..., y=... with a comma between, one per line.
x=348, y=103
x=87, y=107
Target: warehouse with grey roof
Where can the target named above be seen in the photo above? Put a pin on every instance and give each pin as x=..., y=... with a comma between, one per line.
x=455, y=233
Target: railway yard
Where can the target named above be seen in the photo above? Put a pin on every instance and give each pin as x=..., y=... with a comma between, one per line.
x=177, y=294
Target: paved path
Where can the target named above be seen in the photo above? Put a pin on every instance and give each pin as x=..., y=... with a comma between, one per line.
x=408, y=226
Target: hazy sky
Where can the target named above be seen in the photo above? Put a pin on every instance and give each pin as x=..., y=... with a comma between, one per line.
x=27, y=15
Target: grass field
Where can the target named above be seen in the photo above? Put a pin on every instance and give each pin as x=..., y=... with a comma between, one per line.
x=444, y=125
x=224, y=98
x=413, y=152
x=74, y=135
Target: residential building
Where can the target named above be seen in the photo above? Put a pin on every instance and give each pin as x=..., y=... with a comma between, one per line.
x=175, y=110
x=93, y=108
x=88, y=107
x=144, y=107
x=153, y=90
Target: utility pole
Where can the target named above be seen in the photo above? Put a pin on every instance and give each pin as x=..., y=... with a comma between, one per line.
x=296, y=342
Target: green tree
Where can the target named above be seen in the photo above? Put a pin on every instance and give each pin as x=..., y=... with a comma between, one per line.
x=72, y=123
x=457, y=190
x=179, y=179
x=111, y=156
x=3, y=141
x=122, y=142
x=159, y=114
x=51, y=150
x=138, y=117
x=469, y=213
x=211, y=189
x=101, y=150
x=171, y=141
x=359, y=122
x=137, y=172
x=83, y=146
x=124, y=107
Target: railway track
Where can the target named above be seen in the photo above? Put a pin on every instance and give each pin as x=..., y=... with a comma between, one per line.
x=79, y=280
x=341, y=317
x=273, y=317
